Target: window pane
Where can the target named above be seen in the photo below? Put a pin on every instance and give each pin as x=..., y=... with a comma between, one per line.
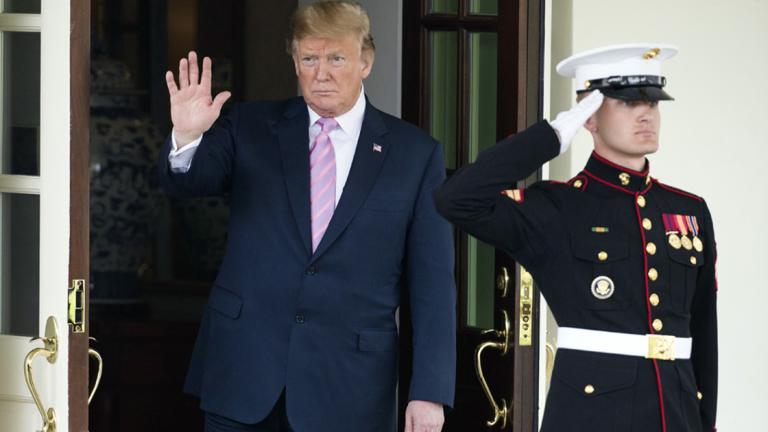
x=444, y=6
x=480, y=284
x=482, y=133
x=482, y=92
x=443, y=89
x=20, y=6
x=20, y=92
x=484, y=7
x=19, y=264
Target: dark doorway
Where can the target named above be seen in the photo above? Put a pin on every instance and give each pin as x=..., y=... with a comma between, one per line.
x=153, y=259
x=471, y=75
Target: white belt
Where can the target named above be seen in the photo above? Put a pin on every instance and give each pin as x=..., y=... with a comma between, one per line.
x=651, y=346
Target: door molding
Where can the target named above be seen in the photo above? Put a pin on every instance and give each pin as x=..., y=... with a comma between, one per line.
x=79, y=192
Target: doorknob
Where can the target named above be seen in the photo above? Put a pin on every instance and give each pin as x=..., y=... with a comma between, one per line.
x=50, y=352
x=500, y=413
x=92, y=353
x=502, y=282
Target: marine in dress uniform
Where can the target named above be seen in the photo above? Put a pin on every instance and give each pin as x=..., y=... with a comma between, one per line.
x=626, y=262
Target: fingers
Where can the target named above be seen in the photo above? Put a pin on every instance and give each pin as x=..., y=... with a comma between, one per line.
x=171, y=83
x=222, y=97
x=183, y=74
x=194, y=72
x=592, y=102
x=423, y=417
x=206, y=80
x=408, y=421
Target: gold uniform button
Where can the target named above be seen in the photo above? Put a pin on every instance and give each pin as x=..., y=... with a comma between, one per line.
x=602, y=255
x=641, y=201
x=589, y=389
x=654, y=299
x=651, y=248
x=657, y=324
x=693, y=260
x=647, y=224
x=578, y=184
x=653, y=274
x=699, y=396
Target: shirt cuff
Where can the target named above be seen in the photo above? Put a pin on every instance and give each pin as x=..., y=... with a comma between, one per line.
x=180, y=160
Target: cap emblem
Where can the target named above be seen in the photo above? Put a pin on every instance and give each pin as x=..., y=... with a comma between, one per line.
x=651, y=53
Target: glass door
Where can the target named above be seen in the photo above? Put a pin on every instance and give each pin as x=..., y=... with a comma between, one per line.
x=466, y=82
x=36, y=201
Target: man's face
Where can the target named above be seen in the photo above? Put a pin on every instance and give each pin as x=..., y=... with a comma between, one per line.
x=331, y=73
x=626, y=129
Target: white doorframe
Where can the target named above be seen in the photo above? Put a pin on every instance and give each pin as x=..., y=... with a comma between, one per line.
x=17, y=411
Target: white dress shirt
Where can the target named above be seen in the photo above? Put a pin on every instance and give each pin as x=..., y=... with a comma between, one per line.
x=344, y=139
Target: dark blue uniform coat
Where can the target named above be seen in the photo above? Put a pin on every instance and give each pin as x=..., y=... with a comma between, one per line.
x=608, y=221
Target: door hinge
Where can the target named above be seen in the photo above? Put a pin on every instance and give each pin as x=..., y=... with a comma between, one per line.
x=76, y=306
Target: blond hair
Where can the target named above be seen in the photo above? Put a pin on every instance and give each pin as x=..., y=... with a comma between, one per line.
x=333, y=19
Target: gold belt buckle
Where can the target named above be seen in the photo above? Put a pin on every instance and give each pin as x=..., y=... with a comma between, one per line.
x=661, y=347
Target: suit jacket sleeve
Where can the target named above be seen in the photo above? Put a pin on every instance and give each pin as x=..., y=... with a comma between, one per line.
x=473, y=200
x=212, y=165
x=704, y=328
x=431, y=287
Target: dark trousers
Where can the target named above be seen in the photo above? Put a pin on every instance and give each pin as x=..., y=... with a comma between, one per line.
x=276, y=421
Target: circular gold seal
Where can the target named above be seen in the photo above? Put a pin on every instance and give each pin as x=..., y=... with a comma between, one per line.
x=687, y=244
x=602, y=287
x=674, y=241
x=697, y=244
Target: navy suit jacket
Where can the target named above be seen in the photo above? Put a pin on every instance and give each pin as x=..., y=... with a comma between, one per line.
x=321, y=326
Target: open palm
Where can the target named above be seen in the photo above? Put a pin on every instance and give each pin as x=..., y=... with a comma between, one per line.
x=193, y=110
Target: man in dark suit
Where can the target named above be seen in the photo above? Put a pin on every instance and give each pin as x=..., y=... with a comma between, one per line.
x=626, y=262
x=332, y=221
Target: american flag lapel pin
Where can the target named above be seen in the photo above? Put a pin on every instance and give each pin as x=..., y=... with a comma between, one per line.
x=376, y=148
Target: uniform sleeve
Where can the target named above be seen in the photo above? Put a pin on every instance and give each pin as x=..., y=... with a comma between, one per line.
x=704, y=327
x=432, y=293
x=474, y=201
x=210, y=169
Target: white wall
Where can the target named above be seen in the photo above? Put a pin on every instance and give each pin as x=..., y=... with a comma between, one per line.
x=713, y=143
x=384, y=85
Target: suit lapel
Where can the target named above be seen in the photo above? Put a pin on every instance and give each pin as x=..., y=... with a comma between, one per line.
x=365, y=170
x=294, y=146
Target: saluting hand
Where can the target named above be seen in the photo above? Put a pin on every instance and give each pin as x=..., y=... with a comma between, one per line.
x=193, y=111
x=567, y=123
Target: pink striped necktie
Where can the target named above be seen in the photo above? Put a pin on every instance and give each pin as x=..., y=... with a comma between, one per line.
x=322, y=169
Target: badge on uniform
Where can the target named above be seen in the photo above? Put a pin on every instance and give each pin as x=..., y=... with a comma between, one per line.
x=603, y=287
x=682, y=231
x=515, y=194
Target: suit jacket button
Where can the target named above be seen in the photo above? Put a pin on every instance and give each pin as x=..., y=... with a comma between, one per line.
x=311, y=271
x=299, y=319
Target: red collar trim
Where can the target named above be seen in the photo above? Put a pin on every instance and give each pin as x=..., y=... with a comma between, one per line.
x=619, y=167
x=619, y=188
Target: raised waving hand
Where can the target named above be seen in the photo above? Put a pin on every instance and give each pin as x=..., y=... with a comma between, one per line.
x=193, y=109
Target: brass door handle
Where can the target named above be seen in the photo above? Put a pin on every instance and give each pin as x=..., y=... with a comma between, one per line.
x=550, y=363
x=500, y=413
x=95, y=355
x=49, y=352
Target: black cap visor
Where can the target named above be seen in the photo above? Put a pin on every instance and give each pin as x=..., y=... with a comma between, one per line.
x=634, y=93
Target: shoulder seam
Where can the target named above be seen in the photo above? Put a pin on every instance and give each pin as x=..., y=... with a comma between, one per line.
x=679, y=191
